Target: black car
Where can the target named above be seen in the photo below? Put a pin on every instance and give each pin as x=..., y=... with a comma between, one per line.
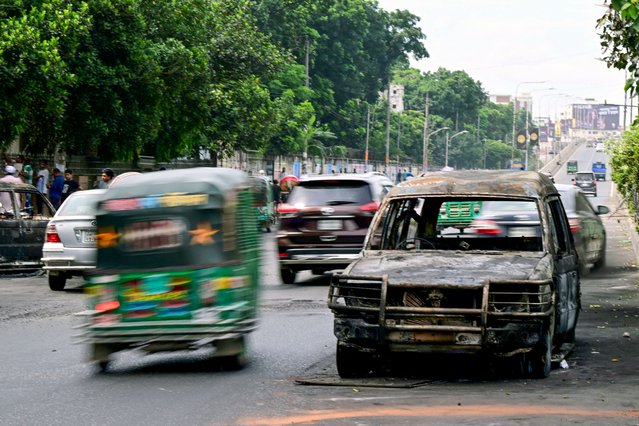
x=24, y=214
x=587, y=182
x=325, y=219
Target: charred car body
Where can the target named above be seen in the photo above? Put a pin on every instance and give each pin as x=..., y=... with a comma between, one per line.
x=419, y=289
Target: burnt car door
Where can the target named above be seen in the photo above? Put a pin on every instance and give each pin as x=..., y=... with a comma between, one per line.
x=35, y=213
x=567, y=292
x=10, y=227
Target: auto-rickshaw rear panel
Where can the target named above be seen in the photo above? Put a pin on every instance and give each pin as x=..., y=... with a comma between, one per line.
x=177, y=264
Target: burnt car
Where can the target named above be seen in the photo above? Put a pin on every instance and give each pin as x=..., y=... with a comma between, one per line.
x=324, y=221
x=416, y=289
x=24, y=214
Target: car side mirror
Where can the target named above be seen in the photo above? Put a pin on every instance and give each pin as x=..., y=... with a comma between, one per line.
x=603, y=210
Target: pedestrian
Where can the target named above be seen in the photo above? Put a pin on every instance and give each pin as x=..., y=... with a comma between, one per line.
x=105, y=178
x=27, y=171
x=42, y=183
x=70, y=185
x=55, y=188
x=277, y=194
x=6, y=207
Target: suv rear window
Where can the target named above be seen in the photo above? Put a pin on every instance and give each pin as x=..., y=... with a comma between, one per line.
x=331, y=193
x=585, y=176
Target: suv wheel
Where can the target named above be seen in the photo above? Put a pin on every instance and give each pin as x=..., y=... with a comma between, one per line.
x=288, y=276
x=57, y=280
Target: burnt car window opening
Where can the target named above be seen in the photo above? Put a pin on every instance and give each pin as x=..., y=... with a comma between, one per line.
x=325, y=193
x=417, y=223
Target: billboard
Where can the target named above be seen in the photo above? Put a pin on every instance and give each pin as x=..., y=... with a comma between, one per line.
x=595, y=116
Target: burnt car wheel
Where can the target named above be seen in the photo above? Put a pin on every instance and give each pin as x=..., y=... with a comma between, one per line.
x=540, y=358
x=57, y=281
x=352, y=363
x=288, y=276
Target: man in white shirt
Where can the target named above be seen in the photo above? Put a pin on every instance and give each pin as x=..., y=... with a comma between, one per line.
x=6, y=206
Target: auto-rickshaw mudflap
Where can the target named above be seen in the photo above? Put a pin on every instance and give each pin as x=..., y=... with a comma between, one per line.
x=175, y=271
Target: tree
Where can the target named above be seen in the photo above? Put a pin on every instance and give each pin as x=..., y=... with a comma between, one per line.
x=118, y=78
x=620, y=39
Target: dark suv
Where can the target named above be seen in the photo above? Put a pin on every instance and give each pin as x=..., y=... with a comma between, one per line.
x=587, y=182
x=325, y=219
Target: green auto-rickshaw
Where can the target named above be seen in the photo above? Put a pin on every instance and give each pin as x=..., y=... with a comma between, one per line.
x=177, y=266
x=264, y=204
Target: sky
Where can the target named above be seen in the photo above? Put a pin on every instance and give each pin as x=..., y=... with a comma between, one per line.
x=505, y=44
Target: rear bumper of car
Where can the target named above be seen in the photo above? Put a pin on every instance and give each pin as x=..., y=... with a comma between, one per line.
x=54, y=257
x=321, y=257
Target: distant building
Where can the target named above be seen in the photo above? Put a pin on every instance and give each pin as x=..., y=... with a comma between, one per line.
x=396, y=97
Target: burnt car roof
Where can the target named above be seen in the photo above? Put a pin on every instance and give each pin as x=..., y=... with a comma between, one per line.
x=479, y=182
x=5, y=185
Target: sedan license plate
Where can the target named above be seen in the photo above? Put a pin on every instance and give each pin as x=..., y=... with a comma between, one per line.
x=329, y=225
x=88, y=236
x=522, y=231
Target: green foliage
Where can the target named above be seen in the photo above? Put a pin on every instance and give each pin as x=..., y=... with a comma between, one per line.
x=624, y=162
x=619, y=35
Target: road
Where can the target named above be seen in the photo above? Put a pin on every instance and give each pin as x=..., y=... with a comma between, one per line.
x=44, y=378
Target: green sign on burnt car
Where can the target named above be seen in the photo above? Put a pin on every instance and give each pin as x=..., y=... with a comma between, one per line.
x=177, y=266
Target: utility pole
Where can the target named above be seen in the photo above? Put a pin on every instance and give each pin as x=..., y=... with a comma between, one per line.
x=368, y=130
x=388, y=115
x=425, y=141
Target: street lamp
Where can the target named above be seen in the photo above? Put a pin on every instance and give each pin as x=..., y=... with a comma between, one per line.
x=448, y=141
x=426, y=140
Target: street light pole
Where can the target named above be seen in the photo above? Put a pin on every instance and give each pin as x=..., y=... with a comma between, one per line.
x=448, y=141
x=426, y=140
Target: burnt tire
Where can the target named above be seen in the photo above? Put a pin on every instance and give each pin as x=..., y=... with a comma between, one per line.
x=540, y=357
x=288, y=276
x=352, y=363
x=57, y=282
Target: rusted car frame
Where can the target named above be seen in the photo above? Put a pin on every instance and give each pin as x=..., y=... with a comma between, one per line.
x=465, y=292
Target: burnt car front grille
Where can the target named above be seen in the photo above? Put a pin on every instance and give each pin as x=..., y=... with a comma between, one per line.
x=437, y=306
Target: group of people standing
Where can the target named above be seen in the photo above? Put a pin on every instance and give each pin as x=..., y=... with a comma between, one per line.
x=51, y=182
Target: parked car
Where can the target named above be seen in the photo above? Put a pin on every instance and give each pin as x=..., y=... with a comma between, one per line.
x=416, y=290
x=586, y=181
x=24, y=214
x=325, y=219
x=70, y=246
x=586, y=227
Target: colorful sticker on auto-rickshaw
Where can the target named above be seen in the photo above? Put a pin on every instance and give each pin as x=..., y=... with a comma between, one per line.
x=203, y=234
x=107, y=237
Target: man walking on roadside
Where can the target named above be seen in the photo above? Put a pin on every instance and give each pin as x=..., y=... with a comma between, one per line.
x=70, y=185
x=55, y=188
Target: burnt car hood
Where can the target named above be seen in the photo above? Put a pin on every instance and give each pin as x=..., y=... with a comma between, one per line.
x=448, y=267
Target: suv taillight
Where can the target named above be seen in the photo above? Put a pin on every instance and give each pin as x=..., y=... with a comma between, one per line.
x=52, y=234
x=287, y=210
x=370, y=207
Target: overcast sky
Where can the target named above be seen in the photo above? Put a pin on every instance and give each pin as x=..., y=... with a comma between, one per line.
x=504, y=43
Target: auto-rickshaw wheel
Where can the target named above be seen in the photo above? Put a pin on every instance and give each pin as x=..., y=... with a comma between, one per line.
x=103, y=366
x=288, y=276
x=231, y=354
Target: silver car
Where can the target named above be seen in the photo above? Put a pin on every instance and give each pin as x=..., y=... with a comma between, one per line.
x=70, y=243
